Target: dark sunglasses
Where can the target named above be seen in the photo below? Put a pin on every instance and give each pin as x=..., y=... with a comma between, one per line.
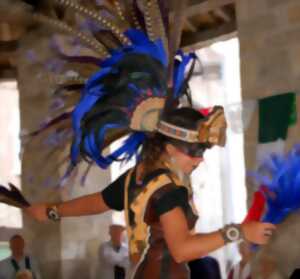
x=193, y=151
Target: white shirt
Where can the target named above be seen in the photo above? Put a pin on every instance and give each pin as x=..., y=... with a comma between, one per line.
x=7, y=270
x=110, y=258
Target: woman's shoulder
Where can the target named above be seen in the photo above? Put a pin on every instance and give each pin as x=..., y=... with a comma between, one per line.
x=155, y=174
x=171, y=190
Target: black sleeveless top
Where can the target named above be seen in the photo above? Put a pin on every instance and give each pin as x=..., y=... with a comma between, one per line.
x=158, y=262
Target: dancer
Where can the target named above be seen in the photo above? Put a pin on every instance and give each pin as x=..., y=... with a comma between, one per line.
x=135, y=91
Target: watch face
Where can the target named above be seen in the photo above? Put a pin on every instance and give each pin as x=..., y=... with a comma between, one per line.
x=52, y=214
x=233, y=233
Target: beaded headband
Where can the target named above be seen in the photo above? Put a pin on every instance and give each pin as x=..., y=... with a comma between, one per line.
x=210, y=130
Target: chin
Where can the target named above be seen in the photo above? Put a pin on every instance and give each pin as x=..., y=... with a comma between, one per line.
x=193, y=168
x=189, y=172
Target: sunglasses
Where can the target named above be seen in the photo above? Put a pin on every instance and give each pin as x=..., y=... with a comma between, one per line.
x=193, y=151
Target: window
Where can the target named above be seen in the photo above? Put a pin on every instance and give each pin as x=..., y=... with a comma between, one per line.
x=219, y=182
x=4, y=250
x=10, y=167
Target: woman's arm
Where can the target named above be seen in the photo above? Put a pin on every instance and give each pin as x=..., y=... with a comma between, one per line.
x=112, y=197
x=185, y=246
x=86, y=205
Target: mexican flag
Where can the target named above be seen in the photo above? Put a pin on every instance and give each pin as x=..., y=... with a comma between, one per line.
x=276, y=114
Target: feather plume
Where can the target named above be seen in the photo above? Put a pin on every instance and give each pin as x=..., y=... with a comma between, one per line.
x=154, y=22
x=88, y=41
x=280, y=177
x=129, y=40
x=13, y=196
x=109, y=24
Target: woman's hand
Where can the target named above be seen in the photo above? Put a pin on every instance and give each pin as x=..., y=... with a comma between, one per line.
x=38, y=212
x=257, y=232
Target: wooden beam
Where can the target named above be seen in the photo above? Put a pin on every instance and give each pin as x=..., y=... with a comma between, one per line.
x=5, y=31
x=197, y=7
x=194, y=41
x=222, y=14
x=9, y=46
x=190, y=25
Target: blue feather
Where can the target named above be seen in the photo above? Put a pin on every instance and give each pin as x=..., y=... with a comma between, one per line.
x=179, y=71
x=284, y=185
x=94, y=91
x=128, y=148
x=140, y=45
x=85, y=104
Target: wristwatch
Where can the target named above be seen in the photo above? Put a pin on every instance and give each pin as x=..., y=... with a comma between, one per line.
x=231, y=233
x=52, y=213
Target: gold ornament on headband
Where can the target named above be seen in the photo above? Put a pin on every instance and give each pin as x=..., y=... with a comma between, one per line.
x=211, y=129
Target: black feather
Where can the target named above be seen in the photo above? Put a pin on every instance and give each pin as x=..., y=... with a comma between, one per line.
x=13, y=196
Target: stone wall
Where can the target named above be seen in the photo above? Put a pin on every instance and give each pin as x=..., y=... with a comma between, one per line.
x=68, y=249
x=270, y=54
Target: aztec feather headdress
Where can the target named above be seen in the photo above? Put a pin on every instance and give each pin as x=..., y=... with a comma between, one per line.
x=128, y=72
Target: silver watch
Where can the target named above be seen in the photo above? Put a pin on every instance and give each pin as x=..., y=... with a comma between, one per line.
x=52, y=213
x=232, y=233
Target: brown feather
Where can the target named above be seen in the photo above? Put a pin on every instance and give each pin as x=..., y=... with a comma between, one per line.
x=154, y=22
x=175, y=32
x=87, y=40
x=117, y=30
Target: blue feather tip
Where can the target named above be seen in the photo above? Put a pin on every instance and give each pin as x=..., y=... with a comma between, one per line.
x=280, y=174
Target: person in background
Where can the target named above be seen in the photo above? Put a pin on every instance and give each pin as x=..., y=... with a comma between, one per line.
x=242, y=270
x=114, y=254
x=295, y=274
x=207, y=267
x=18, y=261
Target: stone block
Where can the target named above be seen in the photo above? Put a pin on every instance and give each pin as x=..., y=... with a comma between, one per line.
x=284, y=38
x=258, y=25
x=294, y=14
x=50, y=270
x=295, y=61
x=276, y=3
x=248, y=44
x=247, y=9
x=274, y=66
x=248, y=70
x=76, y=269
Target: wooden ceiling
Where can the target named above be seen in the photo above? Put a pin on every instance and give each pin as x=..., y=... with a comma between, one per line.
x=206, y=21
x=201, y=22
